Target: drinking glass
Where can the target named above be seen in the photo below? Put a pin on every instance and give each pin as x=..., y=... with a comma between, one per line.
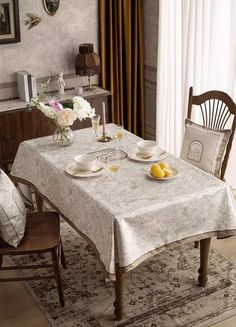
x=113, y=166
x=112, y=160
x=95, y=124
x=118, y=135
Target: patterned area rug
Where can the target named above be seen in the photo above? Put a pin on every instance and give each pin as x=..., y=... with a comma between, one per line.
x=161, y=292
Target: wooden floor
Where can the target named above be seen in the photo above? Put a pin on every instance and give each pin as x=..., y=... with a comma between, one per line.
x=18, y=309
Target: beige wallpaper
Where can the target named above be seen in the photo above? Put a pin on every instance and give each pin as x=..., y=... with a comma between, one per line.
x=52, y=45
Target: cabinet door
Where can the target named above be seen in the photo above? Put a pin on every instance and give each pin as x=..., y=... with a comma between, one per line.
x=16, y=127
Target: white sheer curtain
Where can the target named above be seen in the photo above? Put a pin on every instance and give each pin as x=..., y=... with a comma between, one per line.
x=196, y=47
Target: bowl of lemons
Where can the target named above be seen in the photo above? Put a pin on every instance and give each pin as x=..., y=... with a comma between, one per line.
x=162, y=171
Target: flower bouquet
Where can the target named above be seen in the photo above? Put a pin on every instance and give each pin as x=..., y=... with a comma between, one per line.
x=63, y=115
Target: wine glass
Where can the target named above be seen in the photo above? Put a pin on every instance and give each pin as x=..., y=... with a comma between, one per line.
x=118, y=135
x=95, y=124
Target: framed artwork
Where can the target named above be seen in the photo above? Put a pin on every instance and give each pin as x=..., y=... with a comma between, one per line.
x=9, y=21
x=51, y=6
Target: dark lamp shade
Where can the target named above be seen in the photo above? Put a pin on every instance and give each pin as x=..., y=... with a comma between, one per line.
x=87, y=62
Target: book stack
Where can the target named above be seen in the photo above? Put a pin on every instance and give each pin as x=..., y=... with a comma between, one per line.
x=27, y=88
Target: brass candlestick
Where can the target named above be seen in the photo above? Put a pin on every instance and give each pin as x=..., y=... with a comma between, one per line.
x=104, y=138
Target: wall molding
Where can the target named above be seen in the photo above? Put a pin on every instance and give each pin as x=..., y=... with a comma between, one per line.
x=39, y=80
x=9, y=90
x=150, y=101
x=150, y=68
x=150, y=85
x=150, y=74
x=7, y=85
x=150, y=130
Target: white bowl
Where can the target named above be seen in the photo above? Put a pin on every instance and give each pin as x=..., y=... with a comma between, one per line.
x=85, y=161
x=147, y=148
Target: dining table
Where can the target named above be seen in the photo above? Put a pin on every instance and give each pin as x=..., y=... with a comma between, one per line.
x=129, y=216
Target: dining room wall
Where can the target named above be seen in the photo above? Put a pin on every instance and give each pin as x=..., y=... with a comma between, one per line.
x=51, y=46
x=150, y=61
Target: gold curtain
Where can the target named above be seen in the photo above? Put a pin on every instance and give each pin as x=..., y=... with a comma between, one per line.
x=122, y=60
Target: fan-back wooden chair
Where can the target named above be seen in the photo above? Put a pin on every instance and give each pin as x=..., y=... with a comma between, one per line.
x=42, y=235
x=216, y=108
x=218, y=111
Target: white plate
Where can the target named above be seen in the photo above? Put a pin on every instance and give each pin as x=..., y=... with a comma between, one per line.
x=174, y=174
x=135, y=155
x=72, y=170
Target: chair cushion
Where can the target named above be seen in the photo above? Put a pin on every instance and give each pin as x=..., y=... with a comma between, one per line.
x=12, y=212
x=204, y=147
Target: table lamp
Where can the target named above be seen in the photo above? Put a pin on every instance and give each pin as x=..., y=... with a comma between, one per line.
x=87, y=63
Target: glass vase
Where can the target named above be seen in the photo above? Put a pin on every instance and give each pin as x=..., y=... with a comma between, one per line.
x=63, y=136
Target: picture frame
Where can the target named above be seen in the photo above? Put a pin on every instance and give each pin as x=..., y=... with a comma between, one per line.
x=9, y=21
x=51, y=6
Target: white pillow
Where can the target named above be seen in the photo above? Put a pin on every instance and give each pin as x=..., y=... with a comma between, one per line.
x=204, y=147
x=12, y=212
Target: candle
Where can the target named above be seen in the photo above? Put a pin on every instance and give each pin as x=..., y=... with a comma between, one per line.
x=104, y=118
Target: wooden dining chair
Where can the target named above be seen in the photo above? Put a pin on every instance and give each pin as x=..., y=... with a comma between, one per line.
x=42, y=235
x=218, y=110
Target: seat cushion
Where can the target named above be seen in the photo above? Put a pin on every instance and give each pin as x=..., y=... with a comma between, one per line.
x=204, y=147
x=12, y=212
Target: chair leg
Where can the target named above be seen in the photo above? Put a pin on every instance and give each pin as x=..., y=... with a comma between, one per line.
x=58, y=276
x=196, y=244
x=63, y=260
x=1, y=255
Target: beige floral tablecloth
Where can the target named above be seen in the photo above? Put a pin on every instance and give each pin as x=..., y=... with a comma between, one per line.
x=138, y=214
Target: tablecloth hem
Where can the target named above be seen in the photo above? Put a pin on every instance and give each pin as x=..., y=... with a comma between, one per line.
x=218, y=234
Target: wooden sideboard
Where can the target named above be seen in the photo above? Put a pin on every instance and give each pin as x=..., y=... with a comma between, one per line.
x=19, y=122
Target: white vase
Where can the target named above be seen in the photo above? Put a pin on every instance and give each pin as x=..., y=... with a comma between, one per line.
x=63, y=136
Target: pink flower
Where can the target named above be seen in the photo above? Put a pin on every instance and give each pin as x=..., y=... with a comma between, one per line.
x=55, y=105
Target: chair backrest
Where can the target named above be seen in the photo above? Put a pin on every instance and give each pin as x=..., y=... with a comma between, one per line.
x=216, y=108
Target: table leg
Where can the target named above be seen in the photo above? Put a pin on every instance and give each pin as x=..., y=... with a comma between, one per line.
x=39, y=202
x=119, y=293
x=204, y=255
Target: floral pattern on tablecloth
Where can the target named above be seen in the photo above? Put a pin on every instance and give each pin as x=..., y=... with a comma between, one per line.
x=143, y=213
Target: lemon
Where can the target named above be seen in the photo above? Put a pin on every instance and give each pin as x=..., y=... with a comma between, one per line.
x=154, y=167
x=164, y=164
x=167, y=172
x=156, y=171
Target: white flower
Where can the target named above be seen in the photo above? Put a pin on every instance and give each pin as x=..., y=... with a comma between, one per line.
x=92, y=113
x=65, y=117
x=82, y=108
